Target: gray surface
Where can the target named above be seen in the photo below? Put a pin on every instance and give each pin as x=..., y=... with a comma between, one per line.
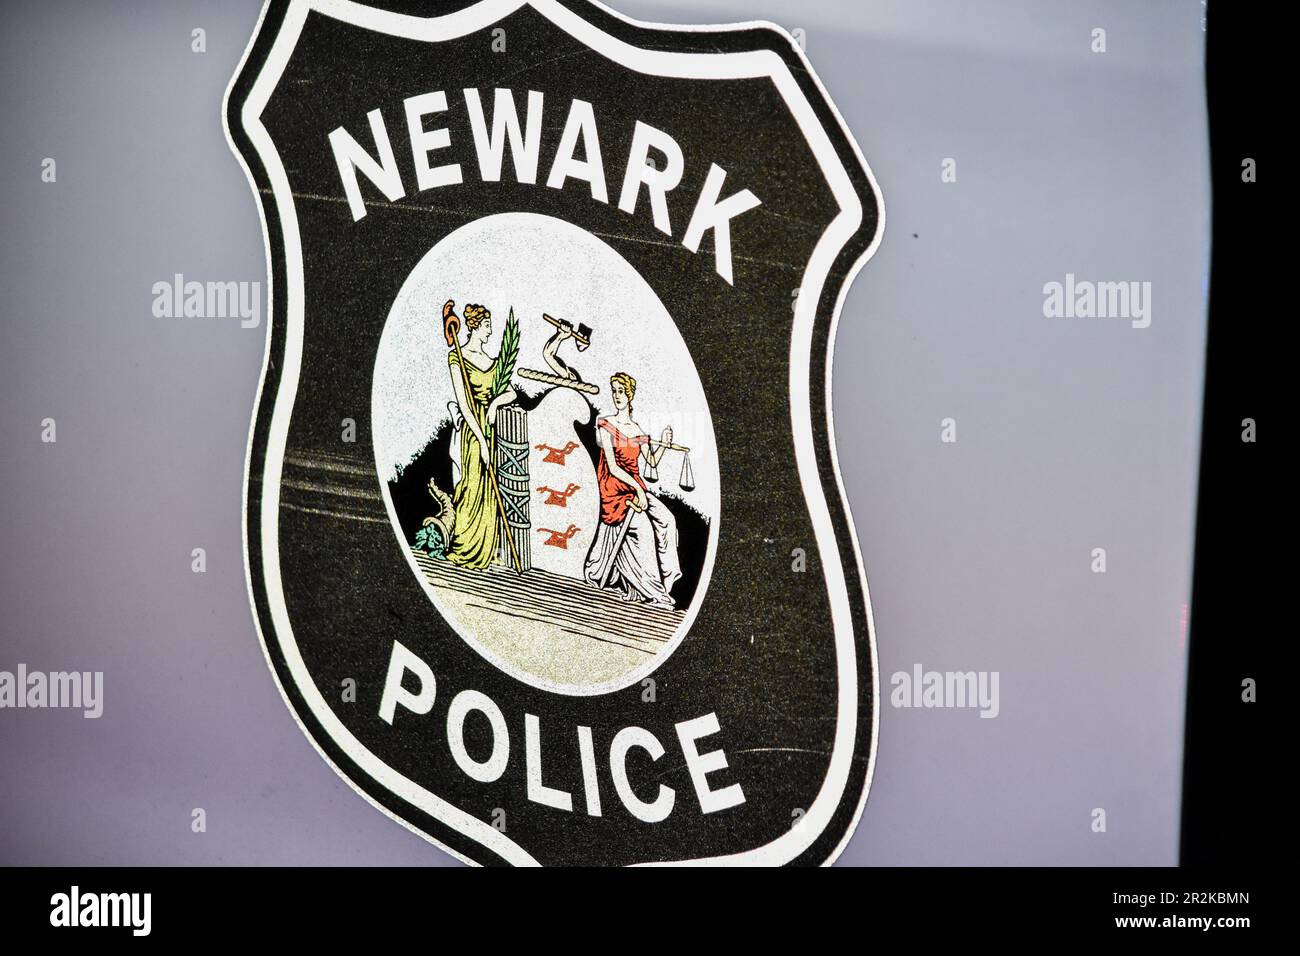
x=1072, y=434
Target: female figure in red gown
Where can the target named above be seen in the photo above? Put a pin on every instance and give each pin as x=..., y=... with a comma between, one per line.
x=641, y=564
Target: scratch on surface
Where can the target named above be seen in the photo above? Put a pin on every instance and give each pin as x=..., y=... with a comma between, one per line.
x=316, y=197
x=467, y=216
x=797, y=750
x=331, y=514
x=532, y=66
x=754, y=750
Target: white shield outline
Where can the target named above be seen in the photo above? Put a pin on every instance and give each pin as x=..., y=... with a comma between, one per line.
x=731, y=65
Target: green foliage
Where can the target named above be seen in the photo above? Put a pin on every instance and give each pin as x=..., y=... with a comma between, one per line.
x=429, y=539
x=509, y=354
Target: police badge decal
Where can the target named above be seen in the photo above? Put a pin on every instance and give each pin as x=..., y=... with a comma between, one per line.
x=545, y=535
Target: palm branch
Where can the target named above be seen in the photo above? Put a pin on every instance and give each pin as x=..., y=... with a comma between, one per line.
x=508, y=355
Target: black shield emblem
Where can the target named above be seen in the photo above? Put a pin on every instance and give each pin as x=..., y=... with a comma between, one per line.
x=545, y=536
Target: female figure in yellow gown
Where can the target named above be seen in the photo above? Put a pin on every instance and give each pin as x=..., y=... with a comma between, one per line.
x=475, y=533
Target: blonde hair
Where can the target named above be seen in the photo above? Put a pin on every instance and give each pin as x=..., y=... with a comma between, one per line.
x=628, y=383
x=474, y=316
